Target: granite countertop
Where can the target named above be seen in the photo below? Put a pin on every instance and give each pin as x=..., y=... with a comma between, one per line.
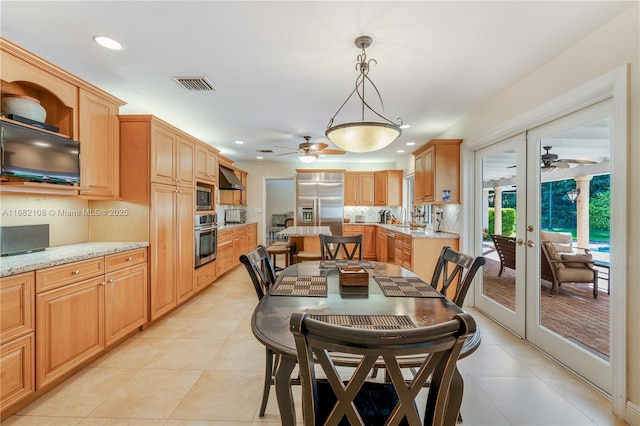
x=54, y=256
x=304, y=231
x=412, y=232
x=222, y=227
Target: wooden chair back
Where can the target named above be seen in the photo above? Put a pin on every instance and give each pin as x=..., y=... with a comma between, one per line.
x=355, y=398
x=457, y=269
x=506, y=250
x=332, y=245
x=260, y=268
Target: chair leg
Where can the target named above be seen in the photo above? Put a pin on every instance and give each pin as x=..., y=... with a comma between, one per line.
x=268, y=380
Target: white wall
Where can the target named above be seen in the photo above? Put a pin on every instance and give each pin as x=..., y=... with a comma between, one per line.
x=613, y=45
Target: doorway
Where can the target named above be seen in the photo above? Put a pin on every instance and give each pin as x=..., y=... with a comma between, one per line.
x=545, y=182
x=280, y=204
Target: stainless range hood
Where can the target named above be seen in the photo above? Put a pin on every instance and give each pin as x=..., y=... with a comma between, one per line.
x=229, y=180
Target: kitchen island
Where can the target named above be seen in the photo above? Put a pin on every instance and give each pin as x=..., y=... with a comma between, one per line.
x=306, y=238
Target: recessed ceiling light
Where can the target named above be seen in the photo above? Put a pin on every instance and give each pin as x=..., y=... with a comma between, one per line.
x=107, y=42
x=239, y=142
x=410, y=143
x=405, y=126
x=400, y=151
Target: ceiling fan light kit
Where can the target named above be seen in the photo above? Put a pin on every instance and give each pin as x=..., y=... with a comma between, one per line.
x=309, y=152
x=309, y=157
x=363, y=136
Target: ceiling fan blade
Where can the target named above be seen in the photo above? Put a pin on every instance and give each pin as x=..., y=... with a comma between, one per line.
x=560, y=165
x=575, y=161
x=287, y=153
x=285, y=147
x=332, y=152
x=319, y=146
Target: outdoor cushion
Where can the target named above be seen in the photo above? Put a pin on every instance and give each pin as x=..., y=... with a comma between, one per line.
x=553, y=254
x=576, y=258
x=562, y=241
x=575, y=275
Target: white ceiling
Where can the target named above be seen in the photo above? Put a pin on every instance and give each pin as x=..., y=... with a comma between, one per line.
x=282, y=69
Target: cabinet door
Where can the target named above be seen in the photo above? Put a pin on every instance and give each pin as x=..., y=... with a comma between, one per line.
x=206, y=165
x=16, y=306
x=100, y=147
x=428, y=174
x=351, y=189
x=380, y=189
x=17, y=362
x=162, y=250
x=367, y=189
x=212, y=166
x=163, y=142
x=369, y=249
x=125, y=307
x=224, y=259
x=185, y=159
x=185, y=244
x=418, y=182
x=69, y=328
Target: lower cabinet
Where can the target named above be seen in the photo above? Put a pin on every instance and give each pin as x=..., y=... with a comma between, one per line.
x=381, y=244
x=17, y=367
x=368, y=239
x=78, y=319
x=232, y=243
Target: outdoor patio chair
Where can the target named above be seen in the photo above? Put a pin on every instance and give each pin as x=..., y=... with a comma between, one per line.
x=569, y=268
x=506, y=250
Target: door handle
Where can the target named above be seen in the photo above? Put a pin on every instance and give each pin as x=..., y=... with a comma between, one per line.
x=530, y=243
x=519, y=241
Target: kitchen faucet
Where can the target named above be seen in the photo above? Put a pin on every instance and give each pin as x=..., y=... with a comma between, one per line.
x=405, y=216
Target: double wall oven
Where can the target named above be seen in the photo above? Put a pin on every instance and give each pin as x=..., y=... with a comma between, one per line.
x=206, y=233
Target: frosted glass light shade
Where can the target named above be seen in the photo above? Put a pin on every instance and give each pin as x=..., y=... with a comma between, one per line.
x=309, y=157
x=364, y=136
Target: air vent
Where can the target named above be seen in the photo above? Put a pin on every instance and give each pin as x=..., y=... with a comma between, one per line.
x=195, y=83
x=265, y=151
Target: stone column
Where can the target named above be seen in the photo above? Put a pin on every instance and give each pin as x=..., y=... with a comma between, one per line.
x=497, y=203
x=582, y=210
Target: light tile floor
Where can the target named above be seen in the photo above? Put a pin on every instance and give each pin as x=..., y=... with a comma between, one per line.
x=201, y=365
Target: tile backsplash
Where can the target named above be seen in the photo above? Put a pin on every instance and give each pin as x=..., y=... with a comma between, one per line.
x=450, y=215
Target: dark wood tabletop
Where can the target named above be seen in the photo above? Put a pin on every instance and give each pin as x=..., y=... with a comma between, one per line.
x=270, y=320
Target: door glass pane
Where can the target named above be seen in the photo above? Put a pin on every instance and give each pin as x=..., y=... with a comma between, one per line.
x=499, y=227
x=574, y=223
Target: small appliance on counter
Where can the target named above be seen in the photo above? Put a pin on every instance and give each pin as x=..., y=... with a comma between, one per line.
x=359, y=218
x=23, y=239
x=235, y=216
x=384, y=215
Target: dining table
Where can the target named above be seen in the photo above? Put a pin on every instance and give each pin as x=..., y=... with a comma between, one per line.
x=313, y=287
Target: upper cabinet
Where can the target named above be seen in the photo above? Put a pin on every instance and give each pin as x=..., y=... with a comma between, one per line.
x=358, y=189
x=437, y=172
x=206, y=164
x=80, y=110
x=388, y=188
x=172, y=156
x=232, y=197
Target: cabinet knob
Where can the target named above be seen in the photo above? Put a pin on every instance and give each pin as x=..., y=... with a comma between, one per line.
x=111, y=281
x=129, y=259
x=103, y=283
x=76, y=272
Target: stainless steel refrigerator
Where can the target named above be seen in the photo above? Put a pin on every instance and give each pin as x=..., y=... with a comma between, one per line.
x=320, y=200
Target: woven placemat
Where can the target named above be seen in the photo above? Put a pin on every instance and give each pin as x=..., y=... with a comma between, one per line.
x=370, y=322
x=301, y=285
x=343, y=263
x=405, y=287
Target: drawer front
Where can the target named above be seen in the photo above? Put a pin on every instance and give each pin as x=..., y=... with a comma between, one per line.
x=17, y=367
x=205, y=275
x=113, y=262
x=17, y=315
x=58, y=276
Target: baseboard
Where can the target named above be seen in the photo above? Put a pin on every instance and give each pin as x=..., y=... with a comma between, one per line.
x=632, y=414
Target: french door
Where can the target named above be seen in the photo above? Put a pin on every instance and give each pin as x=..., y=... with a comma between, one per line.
x=529, y=183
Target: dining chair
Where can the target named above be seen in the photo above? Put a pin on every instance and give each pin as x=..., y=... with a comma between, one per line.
x=263, y=276
x=332, y=245
x=457, y=269
x=337, y=399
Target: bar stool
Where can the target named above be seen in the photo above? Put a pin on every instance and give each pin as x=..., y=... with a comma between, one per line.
x=303, y=256
x=282, y=247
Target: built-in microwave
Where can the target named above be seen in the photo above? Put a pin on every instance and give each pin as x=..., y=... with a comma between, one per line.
x=204, y=198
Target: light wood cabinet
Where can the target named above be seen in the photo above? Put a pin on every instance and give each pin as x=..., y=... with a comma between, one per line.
x=359, y=189
x=172, y=157
x=205, y=275
x=437, y=172
x=125, y=294
x=100, y=147
x=17, y=322
x=77, y=319
x=368, y=239
x=232, y=243
x=17, y=369
x=388, y=188
x=80, y=110
x=172, y=254
x=381, y=244
x=252, y=236
x=206, y=166
x=69, y=328
x=224, y=258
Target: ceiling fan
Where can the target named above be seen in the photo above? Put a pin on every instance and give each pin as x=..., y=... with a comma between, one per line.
x=550, y=161
x=309, y=152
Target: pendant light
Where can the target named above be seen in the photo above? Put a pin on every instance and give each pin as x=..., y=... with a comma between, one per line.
x=363, y=136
